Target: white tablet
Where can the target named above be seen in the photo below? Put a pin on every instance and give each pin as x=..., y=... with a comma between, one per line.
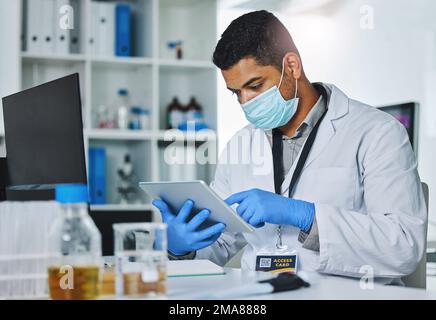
x=176, y=193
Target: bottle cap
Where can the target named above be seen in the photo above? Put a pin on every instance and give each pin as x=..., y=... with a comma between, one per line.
x=123, y=92
x=72, y=193
x=139, y=110
x=136, y=110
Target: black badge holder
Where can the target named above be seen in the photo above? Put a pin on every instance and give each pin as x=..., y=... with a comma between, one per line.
x=286, y=282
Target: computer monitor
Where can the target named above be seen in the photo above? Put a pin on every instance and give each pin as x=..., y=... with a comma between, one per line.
x=105, y=219
x=407, y=114
x=44, y=135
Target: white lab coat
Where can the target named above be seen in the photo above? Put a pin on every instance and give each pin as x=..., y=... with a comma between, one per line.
x=361, y=174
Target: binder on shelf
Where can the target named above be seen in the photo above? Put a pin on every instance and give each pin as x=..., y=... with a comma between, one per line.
x=123, y=30
x=62, y=36
x=23, y=34
x=47, y=22
x=34, y=27
x=93, y=32
x=97, y=175
x=75, y=33
x=106, y=29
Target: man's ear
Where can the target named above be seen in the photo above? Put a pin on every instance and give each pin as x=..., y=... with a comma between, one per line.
x=293, y=65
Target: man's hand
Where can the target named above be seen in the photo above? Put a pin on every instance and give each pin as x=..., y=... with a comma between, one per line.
x=258, y=206
x=182, y=235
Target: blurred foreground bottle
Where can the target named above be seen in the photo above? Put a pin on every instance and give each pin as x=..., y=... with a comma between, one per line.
x=74, y=271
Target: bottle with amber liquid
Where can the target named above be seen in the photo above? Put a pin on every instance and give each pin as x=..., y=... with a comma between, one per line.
x=75, y=265
x=175, y=114
x=194, y=111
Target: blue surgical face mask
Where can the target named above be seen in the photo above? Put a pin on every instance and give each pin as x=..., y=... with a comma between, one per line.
x=269, y=110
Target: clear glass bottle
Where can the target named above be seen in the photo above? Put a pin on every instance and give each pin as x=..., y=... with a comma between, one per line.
x=140, y=118
x=123, y=106
x=75, y=266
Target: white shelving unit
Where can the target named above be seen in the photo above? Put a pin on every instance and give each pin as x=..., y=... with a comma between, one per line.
x=152, y=75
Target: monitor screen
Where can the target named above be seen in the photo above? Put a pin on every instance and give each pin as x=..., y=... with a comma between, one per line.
x=406, y=114
x=44, y=135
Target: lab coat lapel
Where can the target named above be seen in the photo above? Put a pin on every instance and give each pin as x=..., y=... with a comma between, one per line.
x=262, y=161
x=325, y=133
x=337, y=108
x=338, y=105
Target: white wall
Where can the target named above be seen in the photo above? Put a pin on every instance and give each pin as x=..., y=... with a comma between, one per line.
x=394, y=62
x=230, y=115
x=9, y=52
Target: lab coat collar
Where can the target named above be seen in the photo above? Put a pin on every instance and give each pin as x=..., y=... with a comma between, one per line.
x=337, y=104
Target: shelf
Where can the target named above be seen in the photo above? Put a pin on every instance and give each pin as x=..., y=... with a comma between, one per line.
x=108, y=60
x=177, y=135
x=186, y=63
x=161, y=135
x=122, y=207
x=122, y=60
x=143, y=61
x=117, y=134
x=42, y=57
x=170, y=135
x=72, y=57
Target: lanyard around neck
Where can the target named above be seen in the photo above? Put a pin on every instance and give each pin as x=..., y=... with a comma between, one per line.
x=277, y=151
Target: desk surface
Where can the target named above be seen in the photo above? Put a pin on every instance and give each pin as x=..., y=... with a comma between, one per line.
x=322, y=287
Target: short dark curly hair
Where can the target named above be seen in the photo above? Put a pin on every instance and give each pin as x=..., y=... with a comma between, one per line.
x=257, y=34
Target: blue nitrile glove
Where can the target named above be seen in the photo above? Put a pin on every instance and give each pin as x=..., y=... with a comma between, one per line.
x=182, y=235
x=258, y=206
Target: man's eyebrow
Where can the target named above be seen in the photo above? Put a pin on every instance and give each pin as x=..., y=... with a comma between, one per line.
x=246, y=83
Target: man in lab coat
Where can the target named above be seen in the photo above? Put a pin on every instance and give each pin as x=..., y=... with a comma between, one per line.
x=318, y=174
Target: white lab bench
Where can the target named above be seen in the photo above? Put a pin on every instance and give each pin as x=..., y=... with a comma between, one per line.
x=322, y=287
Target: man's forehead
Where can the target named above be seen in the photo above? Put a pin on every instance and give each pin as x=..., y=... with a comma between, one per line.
x=244, y=70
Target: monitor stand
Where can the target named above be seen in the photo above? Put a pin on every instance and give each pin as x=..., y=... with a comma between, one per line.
x=13, y=194
x=4, y=178
x=30, y=195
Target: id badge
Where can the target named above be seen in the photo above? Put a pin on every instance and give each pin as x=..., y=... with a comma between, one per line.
x=277, y=260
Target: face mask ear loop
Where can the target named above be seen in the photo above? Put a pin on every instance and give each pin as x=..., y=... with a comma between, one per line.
x=283, y=72
x=296, y=88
